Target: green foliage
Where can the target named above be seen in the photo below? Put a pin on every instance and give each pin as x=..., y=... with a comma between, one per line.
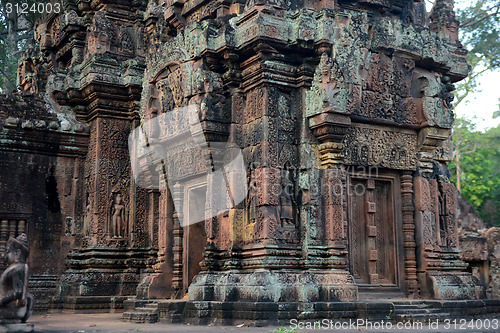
x=283, y=330
x=477, y=154
x=7, y=63
x=15, y=32
x=388, y=317
x=480, y=34
x=478, y=161
x=480, y=28
x=496, y=114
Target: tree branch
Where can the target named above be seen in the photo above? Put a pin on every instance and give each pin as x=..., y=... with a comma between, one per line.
x=474, y=20
x=6, y=76
x=470, y=79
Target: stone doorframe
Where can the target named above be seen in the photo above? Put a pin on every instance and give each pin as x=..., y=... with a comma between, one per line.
x=194, y=234
x=397, y=207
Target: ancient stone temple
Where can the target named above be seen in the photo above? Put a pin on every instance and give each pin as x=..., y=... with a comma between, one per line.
x=334, y=115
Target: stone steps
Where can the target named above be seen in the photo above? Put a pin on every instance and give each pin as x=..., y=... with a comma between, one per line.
x=144, y=313
x=141, y=315
x=229, y=313
x=422, y=317
x=152, y=311
x=412, y=306
x=418, y=311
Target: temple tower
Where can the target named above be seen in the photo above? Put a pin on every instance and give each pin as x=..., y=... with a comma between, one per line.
x=257, y=152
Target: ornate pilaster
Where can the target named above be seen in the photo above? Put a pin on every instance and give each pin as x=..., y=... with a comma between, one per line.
x=409, y=244
x=330, y=129
x=158, y=284
x=178, y=232
x=436, y=228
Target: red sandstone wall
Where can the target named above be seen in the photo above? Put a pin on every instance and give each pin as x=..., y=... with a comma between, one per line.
x=40, y=181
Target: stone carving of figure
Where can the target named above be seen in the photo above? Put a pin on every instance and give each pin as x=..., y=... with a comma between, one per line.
x=15, y=301
x=286, y=202
x=251, y=210
x=118, y=216
x=252, y=201
x=442, y=219
x=176, y=84
x=86, y=216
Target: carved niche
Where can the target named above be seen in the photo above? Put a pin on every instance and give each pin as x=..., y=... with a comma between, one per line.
x=435, y=202
x=126, y=40
x=287, y=211
x=87, y=217
x=118, y=225
x=166, y=90
x=50, y=37
x=176, y=86
x=100, y=35
x=251, y=210
x=446, y=208
x=25, y=76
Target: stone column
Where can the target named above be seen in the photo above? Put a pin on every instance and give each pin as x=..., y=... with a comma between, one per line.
x=178, y=233
x=330, y=129
x=4, y=225
x=409, y=243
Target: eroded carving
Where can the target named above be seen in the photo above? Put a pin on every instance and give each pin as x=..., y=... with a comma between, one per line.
x=118, y=216
x=382, y=147
x=15, y=301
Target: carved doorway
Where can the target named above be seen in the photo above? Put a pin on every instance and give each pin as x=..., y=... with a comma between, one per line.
x=375, y=234
x=195, y=236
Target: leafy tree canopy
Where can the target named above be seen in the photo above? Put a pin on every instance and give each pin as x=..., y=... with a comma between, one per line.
x=15, y=32
x=475, y=168
x=480, y=34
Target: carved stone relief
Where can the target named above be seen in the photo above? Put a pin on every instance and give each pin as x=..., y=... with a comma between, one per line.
x=118, y=213
x=305, y=93
x=381, y=147
x=287, y=207
x=251, y=211
x=176, y=85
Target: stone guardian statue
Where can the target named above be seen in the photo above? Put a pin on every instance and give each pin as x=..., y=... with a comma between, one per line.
x=16, y=303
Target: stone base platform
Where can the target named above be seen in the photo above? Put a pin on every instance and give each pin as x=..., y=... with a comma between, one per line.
x=448, y=286
x=89, y=304
x=274, y=286
x=269, y=313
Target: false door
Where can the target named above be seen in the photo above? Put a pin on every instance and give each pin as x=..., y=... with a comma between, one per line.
x=373, y=235
x=195, y=237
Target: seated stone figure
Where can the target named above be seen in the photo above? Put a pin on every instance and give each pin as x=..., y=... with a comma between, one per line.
x=15, y=301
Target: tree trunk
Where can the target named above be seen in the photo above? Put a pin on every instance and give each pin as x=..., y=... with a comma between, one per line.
x=12, y=48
